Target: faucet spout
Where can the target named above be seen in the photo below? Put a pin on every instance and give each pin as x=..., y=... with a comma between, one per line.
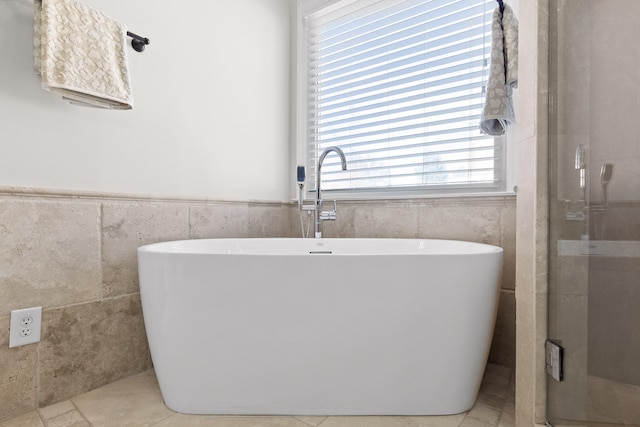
x=319, y=214
x=340, y=153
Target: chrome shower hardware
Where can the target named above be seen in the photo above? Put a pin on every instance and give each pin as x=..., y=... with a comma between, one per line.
x=606, y=172
x=581, y=165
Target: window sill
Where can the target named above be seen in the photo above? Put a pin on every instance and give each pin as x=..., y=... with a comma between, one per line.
x=379, y=197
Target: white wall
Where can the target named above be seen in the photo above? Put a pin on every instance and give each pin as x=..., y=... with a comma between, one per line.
x=211, y=114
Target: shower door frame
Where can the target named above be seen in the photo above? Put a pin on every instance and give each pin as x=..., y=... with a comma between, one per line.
x=577, y=263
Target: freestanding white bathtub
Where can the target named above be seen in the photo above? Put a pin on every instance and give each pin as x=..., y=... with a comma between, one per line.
x=319, y=326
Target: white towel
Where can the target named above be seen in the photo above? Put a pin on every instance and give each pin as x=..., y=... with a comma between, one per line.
x=81, y=54
x=503, y=74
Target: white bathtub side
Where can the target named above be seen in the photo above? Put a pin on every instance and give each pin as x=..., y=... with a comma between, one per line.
x=319, y=334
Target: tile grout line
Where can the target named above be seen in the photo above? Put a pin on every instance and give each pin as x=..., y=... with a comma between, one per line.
x=37, y=411
x=80, y=412
x=189, y=227
x=163, y=420
x=323, y=421
x=37, y=380
x=101, y=248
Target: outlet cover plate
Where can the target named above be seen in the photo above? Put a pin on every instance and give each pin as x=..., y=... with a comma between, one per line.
x=26, y=325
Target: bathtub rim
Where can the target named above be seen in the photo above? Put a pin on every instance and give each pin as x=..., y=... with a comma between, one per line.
x=336, y=246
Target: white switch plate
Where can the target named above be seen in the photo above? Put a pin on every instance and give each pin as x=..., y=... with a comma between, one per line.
x=26, y=325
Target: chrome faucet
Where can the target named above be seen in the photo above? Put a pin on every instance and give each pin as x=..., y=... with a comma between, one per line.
x=319, y=214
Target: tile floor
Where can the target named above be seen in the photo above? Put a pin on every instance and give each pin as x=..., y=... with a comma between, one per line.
x=613, y=402
x=136, y=402
x=609, y=404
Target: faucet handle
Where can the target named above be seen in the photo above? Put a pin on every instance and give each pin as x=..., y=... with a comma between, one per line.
x=329, y=215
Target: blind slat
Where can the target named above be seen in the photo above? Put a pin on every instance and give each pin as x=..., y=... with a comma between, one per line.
x=398, y=129
x=419, y=72
x=406, y=39
x=390, y=117
x=427, y=104
x=432, y=92
x=353, y=147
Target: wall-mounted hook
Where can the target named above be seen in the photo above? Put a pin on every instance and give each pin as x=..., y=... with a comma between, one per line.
x=138, y=42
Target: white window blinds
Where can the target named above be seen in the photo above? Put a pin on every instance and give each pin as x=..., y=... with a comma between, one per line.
x=398, y=86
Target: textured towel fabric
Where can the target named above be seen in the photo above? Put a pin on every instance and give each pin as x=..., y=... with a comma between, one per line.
x=503, y=74
x=80, y=54
x=510, y=32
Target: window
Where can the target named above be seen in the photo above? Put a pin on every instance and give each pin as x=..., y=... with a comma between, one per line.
x=398, y=86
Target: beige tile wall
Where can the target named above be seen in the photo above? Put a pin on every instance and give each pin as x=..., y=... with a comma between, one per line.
x=614, y=298
x=75, y=255
x=614, y=102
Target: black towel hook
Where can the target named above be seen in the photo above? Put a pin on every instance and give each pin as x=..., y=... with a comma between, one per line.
x=501, y=5
x=138, y=42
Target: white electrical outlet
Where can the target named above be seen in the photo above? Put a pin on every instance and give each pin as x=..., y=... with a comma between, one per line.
x=25, y=326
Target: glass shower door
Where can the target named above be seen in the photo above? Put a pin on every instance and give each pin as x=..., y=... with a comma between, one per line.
x=594, y=275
